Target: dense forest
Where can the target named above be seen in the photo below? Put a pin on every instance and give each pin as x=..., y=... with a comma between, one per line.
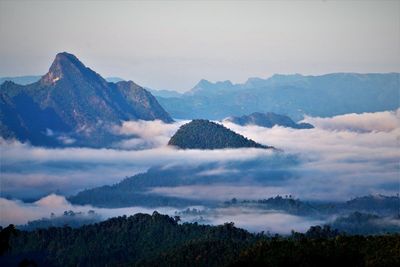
x=160, y=240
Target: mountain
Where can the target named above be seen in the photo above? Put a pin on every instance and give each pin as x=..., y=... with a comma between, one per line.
x=204, y=87
x=358, y=223
x=136, y=191
x=143, y=189
x=293, y=95
x=163, y=92
x=268, y=120
x=204, y=134
x=24, y=80
x=375, y=203
x=73, y=105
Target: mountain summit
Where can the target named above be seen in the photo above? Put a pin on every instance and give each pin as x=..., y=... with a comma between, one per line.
x=73, y=105
x=68, y=66
x=204, y=134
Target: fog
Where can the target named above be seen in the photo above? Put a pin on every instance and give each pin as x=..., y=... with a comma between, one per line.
x=18, y=212
x=254, y=220
x=343, y=157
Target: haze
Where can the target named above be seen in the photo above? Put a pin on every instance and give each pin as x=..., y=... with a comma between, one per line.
x=173, y=44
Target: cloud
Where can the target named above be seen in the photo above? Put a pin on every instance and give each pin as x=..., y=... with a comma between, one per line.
x=18, y=212
x=220, y=192
x=329, y=162
x=147, y=134
x=255, y=220
x=32, y=172
x=340, y=161
x=366, y=122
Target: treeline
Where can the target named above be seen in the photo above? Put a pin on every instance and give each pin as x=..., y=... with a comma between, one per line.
x=160, y=240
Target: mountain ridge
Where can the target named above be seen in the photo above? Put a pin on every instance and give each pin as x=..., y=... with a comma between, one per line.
x=293, y=95
x=267, y=120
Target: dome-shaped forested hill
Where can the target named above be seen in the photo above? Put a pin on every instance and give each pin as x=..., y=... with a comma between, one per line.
x=204, y=134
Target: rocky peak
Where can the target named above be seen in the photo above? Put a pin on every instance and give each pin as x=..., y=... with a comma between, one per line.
x=67, y=66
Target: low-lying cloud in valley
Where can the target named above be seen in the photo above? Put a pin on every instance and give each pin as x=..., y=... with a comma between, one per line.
x=385, y=121
x=254, y=220
x=342, y=157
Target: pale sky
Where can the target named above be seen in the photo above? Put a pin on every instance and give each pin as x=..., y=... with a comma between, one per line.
x=174, y=44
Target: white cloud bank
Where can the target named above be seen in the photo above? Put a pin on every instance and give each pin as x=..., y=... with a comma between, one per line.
x=149, y=134
x=18, y=212
x=255, y=220
x=28, y=171
x=343, y=157
x=385, y=121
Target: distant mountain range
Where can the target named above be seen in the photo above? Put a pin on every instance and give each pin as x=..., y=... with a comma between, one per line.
x=73, y=105
x=291, y=95
x=268, y=120
x=22, y=80
x=204, y=134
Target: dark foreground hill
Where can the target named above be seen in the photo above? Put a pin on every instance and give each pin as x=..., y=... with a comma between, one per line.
x=72, y=105
x=159, y=240
x=204, y=134
x=268, y=120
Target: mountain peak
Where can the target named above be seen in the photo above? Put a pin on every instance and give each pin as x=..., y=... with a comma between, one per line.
x=203, y=83
x=65, y=65
x=63, y=61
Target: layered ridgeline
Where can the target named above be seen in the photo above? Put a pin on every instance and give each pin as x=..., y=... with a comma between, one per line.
x=268, y=120
x=73, y=105
x=293, y=95
x=204, y=134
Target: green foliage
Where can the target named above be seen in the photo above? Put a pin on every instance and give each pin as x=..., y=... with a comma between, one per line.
x=122, y=240
x=338, y=251
x=5, y=236
x=158, y=240
x=204, y=134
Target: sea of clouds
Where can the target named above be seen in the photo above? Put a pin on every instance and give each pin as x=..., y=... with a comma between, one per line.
x=342, y=157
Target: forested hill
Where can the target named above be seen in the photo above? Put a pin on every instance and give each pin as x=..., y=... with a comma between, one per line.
x=159, y=240
x=204, y=134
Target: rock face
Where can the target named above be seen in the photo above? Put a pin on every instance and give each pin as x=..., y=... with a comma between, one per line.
x=72, y=104
x=204, y=134
x=268, y=120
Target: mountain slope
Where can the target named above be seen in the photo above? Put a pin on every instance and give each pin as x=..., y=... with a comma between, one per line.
x=268, y=120
x=204, y=134
x=71, y=102
x=293, y=95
